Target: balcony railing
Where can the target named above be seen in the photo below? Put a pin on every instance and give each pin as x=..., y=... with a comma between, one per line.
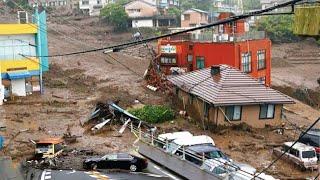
x=213, y=37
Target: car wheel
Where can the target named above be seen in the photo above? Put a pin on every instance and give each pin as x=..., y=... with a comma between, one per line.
x=94, y=166
x=133, y=168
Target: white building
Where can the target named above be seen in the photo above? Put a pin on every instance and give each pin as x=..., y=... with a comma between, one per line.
x=93, y=7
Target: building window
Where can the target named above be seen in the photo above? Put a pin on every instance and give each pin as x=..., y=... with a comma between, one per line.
x=186, y=17
x=261, y=56
x=12, y=49
x=85, y=2
x=246, y=62
x=168, y=60
x=190, y=58
x=98, y=1
x=267, y=111
x=200, y=62
x=190, y=47
x=233, y=113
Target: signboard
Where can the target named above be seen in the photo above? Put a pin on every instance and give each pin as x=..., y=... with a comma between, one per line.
x=168, y=49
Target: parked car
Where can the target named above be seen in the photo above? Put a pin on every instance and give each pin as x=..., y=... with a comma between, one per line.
x=116, y=161
x=177, y=146
x=300, y=154
x=196, y=153
x=312, y=138
x=169, y=137
x=233, y=170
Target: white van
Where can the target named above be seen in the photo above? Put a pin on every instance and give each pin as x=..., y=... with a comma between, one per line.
x=188, y=141
x=175, y=135
x=300, y=154
x=163, y=139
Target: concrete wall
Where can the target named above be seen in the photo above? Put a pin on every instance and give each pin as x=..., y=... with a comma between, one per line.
x=250, y=113
x=142, y=23
x=195, y=18
x=181, y=167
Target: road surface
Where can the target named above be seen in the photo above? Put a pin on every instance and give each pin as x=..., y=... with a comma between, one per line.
x=95, y=175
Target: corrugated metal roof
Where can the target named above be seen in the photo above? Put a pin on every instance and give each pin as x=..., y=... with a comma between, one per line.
x=233, y=88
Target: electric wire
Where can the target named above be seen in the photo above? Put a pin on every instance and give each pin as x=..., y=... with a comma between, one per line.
x=224, y=21
x=72, y=39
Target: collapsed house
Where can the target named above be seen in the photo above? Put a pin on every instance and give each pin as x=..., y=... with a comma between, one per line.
x=223, y=95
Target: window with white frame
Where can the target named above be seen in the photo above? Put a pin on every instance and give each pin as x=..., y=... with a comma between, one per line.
x=267, y=111
x=246, y=62
x=168, y=60
x=261, y=56
x=233, y=113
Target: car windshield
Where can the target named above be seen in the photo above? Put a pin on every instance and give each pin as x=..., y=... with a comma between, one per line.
x=308, y=154
x=215, y=154
x=172, y=147
x=219, y=170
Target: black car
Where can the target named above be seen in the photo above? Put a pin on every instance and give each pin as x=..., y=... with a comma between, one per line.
x=116, y=161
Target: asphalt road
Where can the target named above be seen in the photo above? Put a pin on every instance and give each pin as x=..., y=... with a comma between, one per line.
x=156, y=169
x=93, y=175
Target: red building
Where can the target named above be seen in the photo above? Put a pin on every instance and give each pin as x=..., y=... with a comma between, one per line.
x=249, y=52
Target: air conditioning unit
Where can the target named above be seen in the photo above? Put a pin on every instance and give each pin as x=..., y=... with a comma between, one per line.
x=23, y=17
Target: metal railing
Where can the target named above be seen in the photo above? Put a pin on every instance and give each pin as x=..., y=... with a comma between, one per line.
x=187, y=155
x=214, y=37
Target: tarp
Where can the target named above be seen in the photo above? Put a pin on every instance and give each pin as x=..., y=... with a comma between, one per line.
x=18, y=74
x=123, y=111
x=307, y=20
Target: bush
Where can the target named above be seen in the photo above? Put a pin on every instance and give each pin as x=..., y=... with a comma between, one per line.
x=278, y=28
x=154, y=114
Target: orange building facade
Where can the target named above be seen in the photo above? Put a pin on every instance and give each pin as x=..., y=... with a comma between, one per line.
x=251, y=56
x=249, y=52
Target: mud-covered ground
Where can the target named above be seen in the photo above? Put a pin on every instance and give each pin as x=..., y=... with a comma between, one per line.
x=75, y=83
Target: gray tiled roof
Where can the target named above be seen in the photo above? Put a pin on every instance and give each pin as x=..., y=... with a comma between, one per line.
x=233, y=88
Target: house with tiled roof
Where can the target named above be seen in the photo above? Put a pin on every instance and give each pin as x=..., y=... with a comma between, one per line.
x=146, y=14
x=223, y=95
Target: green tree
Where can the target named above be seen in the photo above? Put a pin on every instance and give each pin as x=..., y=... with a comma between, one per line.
x=115, y=15
x=175, y=12
x=278, y=28
x=199, y=4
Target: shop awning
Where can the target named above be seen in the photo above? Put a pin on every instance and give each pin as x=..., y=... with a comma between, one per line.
x=18, y=74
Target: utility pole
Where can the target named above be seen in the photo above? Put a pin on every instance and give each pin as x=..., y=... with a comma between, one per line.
x=1, y=87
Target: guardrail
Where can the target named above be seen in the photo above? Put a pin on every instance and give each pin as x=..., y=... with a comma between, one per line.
x=157, y=150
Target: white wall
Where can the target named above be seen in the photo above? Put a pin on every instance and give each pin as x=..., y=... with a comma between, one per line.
x=142, y=23
x=18, y=87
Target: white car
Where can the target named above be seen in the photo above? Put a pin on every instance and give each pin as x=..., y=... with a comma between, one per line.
x=233, y=170
x=163, y=139
x=300, y=154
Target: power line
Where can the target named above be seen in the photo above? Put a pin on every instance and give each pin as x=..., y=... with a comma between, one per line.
x=224, y=21
x=279, y=157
